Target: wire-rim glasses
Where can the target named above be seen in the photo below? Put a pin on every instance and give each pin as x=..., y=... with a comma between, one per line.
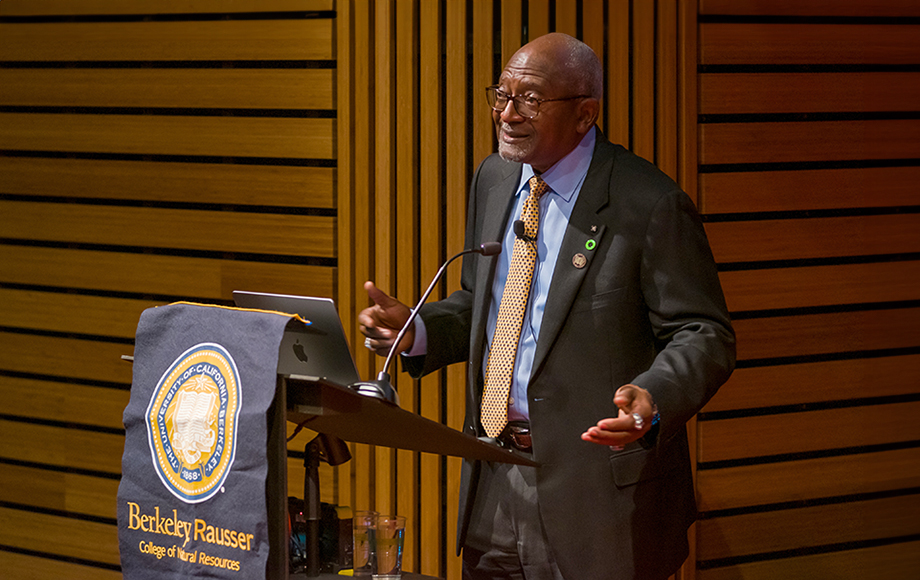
x=527, y=106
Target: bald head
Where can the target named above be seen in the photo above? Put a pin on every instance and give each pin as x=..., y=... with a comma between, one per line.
x=569, y=61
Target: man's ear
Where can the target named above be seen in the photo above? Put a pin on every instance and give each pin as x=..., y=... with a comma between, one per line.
x=588, y=111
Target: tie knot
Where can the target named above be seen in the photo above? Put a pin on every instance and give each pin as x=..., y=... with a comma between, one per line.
x=537, y=186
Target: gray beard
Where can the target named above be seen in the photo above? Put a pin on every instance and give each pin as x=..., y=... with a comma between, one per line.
x=512, y=153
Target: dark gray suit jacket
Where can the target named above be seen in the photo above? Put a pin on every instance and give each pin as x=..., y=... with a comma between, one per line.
x=646, y=309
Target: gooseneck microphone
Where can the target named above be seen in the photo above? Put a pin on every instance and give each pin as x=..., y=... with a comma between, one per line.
x=381, y=388
x=519, y=231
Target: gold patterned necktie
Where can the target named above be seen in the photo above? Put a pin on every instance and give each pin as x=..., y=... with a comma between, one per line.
x=503, y=350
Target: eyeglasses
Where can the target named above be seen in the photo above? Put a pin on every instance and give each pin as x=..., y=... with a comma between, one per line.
x=527, y=106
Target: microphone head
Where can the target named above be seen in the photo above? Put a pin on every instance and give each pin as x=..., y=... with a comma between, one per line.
x=490, y=248
x=518, y=228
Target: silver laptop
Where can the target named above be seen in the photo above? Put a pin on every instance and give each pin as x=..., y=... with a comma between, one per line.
x=317, y=351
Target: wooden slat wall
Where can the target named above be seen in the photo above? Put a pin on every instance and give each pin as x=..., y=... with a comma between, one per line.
x=335, y=145
x=418, y=126
x=808, y=161
x=149, y=152
x=326, y=164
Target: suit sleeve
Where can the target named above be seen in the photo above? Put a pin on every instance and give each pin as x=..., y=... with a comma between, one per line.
x=687, y=312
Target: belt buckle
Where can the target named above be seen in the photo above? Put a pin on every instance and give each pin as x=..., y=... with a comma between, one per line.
x=520, y=437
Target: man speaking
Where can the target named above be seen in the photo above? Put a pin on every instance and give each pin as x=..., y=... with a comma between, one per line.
x=592, y=339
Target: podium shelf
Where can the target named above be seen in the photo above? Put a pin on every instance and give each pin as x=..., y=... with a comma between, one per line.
x=326, y=407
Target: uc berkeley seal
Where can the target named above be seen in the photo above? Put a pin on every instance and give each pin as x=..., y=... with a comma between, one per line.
x=192, y=422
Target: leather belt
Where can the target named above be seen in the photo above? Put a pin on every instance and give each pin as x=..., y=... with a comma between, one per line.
x=517, y=435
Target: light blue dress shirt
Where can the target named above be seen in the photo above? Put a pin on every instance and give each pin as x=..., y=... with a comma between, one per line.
x=564, y=179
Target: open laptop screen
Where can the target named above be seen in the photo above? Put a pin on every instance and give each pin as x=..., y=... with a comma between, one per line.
x=319, y=350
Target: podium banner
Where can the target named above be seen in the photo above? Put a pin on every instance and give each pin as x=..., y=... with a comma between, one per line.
x=192, y=496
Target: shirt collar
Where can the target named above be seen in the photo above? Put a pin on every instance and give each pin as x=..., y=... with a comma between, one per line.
x=566, y=175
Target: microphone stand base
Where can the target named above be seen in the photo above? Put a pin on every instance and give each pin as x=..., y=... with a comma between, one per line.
x=378, y=389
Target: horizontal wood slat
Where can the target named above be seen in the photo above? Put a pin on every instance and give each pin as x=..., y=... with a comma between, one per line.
x=57, y=490
x=791, y=239
x=898, y=560
x=199, y=278
x=812, y=334
x=66, y=537
x=746, y=43
x=204, y=183
x=61, y=447
x=223, y=88
x=745, y=93
x=807, y=479
x=69, y=403
x=810, y=526
x=810, y=7
x=808, y=189
x=809, y=141
x=729, y=439
x=169, y=135
x=72, y=358
x=107, y=7
x=170, y=228
x=821, y=285
x=72, y=313
x=840, y=380
x=41, y=568
x=295, y=39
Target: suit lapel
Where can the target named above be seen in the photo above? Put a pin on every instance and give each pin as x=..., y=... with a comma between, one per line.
x=575, y=257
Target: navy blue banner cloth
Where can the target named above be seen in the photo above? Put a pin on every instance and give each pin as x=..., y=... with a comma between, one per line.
x=192, y=497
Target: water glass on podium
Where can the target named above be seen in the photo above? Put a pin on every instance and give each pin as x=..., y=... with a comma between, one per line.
x=365, y=548
x=390, y=536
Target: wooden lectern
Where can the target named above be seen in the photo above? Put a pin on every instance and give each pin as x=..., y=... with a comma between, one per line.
x=338, y=411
